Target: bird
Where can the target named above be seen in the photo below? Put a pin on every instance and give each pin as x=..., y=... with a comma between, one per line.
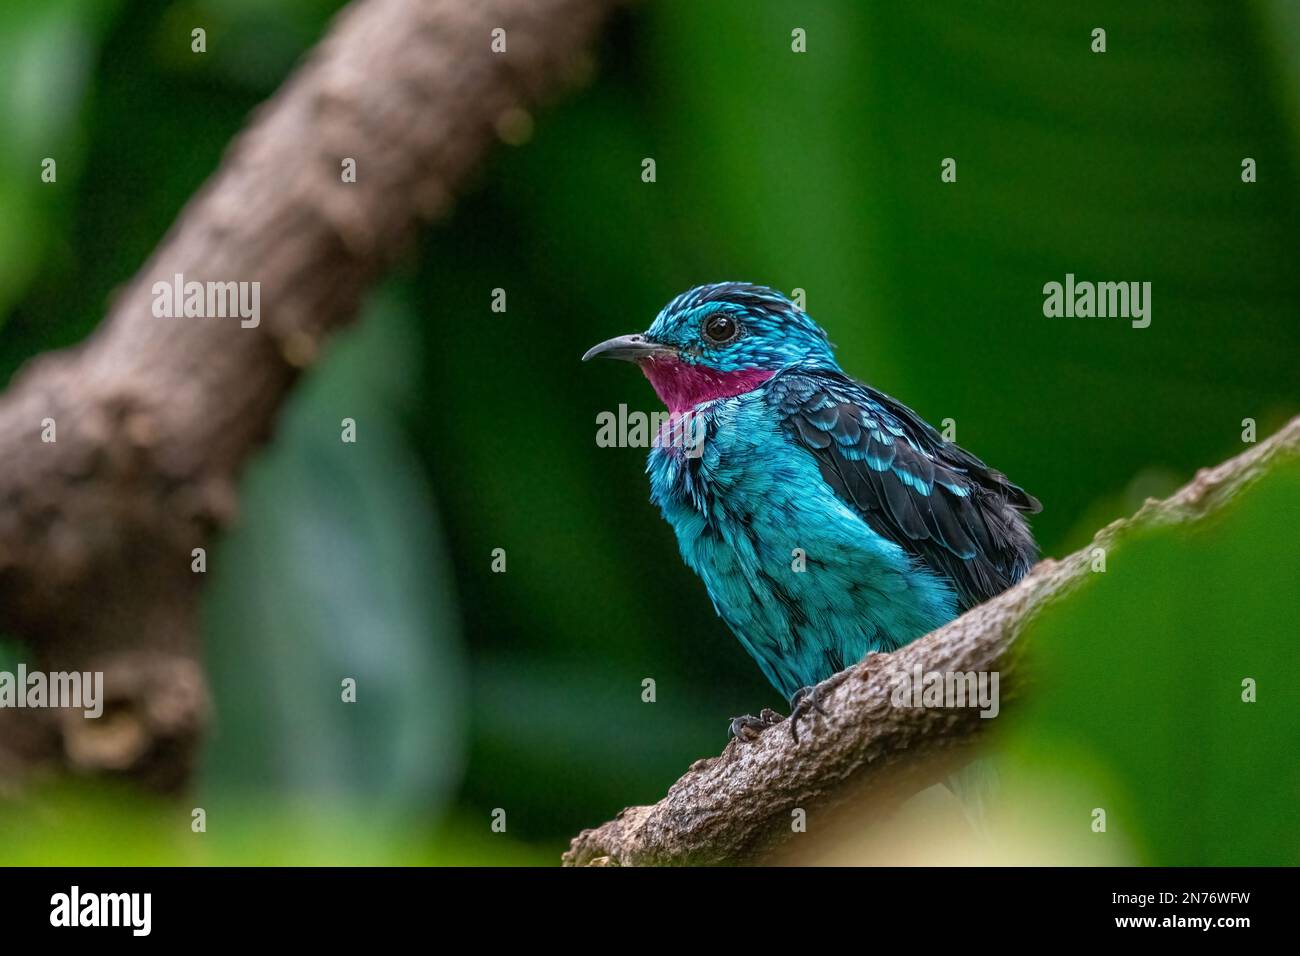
x=826, y=519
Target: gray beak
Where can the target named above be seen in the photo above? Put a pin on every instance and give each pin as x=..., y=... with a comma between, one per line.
x=629, y=348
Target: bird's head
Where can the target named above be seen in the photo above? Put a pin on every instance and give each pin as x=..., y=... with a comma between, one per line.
x=716, y=341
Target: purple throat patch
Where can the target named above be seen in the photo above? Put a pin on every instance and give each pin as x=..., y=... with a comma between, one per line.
x=681, y=386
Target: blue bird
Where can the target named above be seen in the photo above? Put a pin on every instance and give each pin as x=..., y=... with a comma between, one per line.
x=826, y=519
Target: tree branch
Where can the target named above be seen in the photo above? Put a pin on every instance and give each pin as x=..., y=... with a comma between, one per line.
x=155, y=417
x=735, y=807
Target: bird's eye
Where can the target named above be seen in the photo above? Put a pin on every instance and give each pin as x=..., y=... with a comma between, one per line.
x=720, y=328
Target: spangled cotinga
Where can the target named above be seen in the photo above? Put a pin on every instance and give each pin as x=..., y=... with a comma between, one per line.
x=899, y=530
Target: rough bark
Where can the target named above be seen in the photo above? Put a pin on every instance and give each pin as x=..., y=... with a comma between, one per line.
x=736, y=807
x=155, y=417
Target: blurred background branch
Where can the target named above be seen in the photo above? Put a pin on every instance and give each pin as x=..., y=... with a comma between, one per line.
x=866, y=751
x=155, y=417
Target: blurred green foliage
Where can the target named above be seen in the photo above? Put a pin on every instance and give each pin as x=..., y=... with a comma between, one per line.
x=820, y=171
x=338, y=556
x=116, y=826
x=1139, y=698
x=46, y=56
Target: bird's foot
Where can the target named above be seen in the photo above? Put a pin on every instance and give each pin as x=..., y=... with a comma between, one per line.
x=749, y=727
x=804, y=702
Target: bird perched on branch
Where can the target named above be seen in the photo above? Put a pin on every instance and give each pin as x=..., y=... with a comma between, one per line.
x=826, y=519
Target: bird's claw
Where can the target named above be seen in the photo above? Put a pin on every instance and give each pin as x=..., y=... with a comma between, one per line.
x=804, y=701
x=749, y=727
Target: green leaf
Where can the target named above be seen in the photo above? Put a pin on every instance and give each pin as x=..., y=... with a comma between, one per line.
x=336, y=571
x=1136, y=705
x=46, y=54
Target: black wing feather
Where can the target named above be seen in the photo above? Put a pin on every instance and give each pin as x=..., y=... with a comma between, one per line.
x=943, y=505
